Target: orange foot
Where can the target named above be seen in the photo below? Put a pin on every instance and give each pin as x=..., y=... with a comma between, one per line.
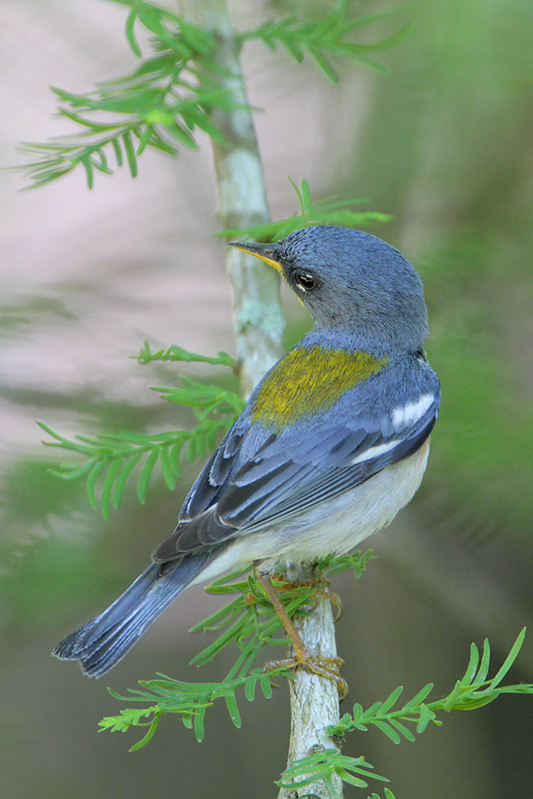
x=322, y=666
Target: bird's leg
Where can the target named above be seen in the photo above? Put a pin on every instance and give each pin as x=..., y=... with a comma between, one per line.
x=285, y=619
x=324, y=667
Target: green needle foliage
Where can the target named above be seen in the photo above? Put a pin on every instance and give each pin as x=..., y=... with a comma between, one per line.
x=330, y=36
x=108, y=460
x=190, y=700
x=175, y=353
x=161, y=104
x=324, y=766
x=328, y=211
x=170, y=96
x=472, y=691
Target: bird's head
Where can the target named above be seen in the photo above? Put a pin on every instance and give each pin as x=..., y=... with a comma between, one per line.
x=352, y=281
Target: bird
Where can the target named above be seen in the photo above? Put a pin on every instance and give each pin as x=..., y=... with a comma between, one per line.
x=331, y=444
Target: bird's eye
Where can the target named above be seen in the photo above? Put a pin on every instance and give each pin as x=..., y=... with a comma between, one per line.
x=305, y=281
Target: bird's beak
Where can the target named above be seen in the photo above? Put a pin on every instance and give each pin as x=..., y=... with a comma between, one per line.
x=265, y=252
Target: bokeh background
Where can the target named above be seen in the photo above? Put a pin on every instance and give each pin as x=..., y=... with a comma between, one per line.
x=443, y=142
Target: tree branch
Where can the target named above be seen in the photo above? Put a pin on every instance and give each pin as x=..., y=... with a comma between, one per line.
x=259, y=325
x=242, y=203
x=314, y=700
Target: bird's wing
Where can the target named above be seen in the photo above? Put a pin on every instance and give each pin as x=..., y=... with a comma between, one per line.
x=286, y=475
x=373, y=455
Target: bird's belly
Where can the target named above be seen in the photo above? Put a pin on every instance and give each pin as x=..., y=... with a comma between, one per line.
x=342, y=523
x=335, y=526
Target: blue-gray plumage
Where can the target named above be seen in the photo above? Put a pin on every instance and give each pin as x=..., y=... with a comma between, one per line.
x=331, y=444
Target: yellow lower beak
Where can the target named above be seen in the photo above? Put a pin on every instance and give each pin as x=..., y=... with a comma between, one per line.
x=265, y=252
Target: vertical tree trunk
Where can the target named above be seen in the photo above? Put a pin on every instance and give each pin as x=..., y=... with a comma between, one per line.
x=259, y=325
x=242, y=202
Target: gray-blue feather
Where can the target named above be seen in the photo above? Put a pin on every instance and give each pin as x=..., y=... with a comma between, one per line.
x=102, y=642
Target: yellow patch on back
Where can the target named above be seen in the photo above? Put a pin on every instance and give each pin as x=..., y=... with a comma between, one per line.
x=309, y=380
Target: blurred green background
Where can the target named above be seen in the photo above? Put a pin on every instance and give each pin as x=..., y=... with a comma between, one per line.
x=443, y=142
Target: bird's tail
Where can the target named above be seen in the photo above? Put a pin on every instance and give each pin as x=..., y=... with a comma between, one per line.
x=102, y=642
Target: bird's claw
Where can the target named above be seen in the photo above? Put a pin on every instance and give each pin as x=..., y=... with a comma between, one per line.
x=335, y=600
x=328, y=667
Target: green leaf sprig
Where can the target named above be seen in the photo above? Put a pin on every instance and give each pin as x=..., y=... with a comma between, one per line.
x=160, y=104
x=110, y=459
x=323, y=766
x=170, y=96
x=328, y=37
x=472, y=691
x=175, y=353
x=329, y=211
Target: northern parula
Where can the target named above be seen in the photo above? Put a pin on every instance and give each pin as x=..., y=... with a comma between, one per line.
x=332, y=443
